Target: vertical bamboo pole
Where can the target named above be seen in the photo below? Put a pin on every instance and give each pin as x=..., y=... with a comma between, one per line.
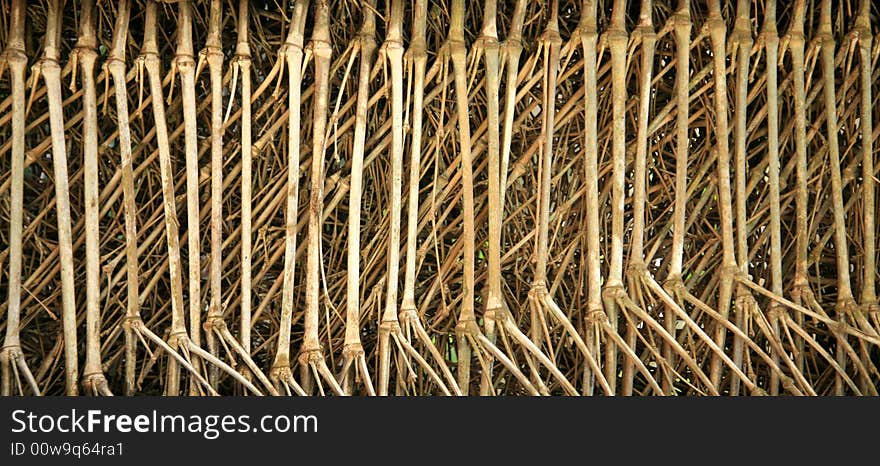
x=242, y=62
x=512, y=47
x=150, y=60
x=392, y=49
x=865, y=38
x=495, y=298
x=184, y=64
x=845, y=299
x=681, y=23
x=550, y=45
x=742, y=42
x=311, y=355
x=353, y=351
x=116, y=67
x=589, y=41
x=539, y=297
x=718, y=35
x=648, y=38
x=51, y=72
x=511, y=50
x=292, y=53
x=85, y=53
x=458, y=55
x=770, y=39
x=796, y=42
x=215, y=324
x=417, y=56
x=617, y=42
x=16, y=57
x=214, y=57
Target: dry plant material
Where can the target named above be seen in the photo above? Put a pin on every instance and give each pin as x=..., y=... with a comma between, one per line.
x=439, y=198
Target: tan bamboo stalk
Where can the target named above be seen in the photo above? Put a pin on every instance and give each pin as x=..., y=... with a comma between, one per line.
x=491, y=51
x=51, y=72
x=417, y=56
x=617, y=43
x=865, y=42
x=389, y=327
x=11, y=355
x=741, y=41
x=353, y=352
x=85, y=53
x=845, y=299
x=595, y=311
x=116, y=66
x=312, y=356
x=860, y=314
x=292, y=53
x=868, y=298
x=512, y=48
x=770, y=39
x=458, y=56
x=213, y=53
x=242, y=63
x=718, y=34
x=487, y=45
x=802, y=293
x=149, y=59
x=646, y=36
x=681, y=23
x=184, y=64
x=613, y=291
x=549, y=45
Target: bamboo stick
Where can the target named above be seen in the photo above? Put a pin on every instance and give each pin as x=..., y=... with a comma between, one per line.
x=50, y=70
x=11, y=354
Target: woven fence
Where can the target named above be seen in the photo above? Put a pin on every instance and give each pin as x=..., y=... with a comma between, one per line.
x=439, y=197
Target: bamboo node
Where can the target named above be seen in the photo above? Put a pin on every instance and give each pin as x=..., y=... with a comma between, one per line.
x=12, y=351
x=595, y=316
x=311, y=356
x=352, y=350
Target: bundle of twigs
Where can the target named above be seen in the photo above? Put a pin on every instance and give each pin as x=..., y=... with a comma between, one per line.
x=439, y=197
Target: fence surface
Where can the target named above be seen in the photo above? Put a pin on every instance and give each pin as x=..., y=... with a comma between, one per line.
x=439, y=197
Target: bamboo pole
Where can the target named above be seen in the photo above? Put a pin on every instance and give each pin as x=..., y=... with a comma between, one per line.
x=184, y=64
x=50, y=69
x=292, y=53
x=353, y=351
x=116, y=66
x=718, y=35
x=149, y=60
x=242, y=64
x=845, y=300
x=11, y=354
x=742, y=42
x=681, y=24
x=312, y=363
x=647, y=38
